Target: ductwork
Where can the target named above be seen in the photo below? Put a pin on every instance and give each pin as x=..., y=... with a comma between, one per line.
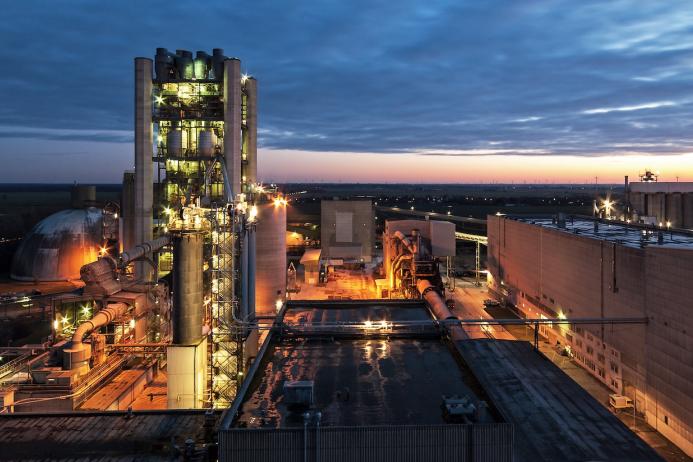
x=406, y=242
x=100, y=276
x=142, y=250
x=435, y=301
x=103, y=317
x=439, y=308
x=78, y=355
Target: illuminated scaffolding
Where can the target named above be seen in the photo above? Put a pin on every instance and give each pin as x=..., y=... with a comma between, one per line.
x=226, y=346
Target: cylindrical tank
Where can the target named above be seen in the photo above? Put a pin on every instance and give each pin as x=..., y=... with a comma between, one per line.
x=200, y=67
x=270, y=257
x=184, y=64
x=188, y=308
x=163, y=62
x=82, y=196
x=205, y=143
x=174, y=143
x=218, y=64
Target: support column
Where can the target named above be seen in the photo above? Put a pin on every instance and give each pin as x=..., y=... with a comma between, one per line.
x=251, y=131
x=232, y=123
x=143, y=160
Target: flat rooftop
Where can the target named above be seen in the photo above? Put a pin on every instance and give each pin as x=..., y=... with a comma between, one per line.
x=554, y=418
x=112, y=436
x=615, y=231
x=362, y=378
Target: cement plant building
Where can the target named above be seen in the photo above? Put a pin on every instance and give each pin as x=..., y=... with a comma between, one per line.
x=587, y=268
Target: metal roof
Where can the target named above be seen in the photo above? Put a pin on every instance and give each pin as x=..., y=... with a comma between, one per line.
x=57, y=247
x=362, y=378
x=617, y=232
x=555, y=419
x=113, y=436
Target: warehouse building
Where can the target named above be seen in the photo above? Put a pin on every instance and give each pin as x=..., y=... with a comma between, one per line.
x=585, y=268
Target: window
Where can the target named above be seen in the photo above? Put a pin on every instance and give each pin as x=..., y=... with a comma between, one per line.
x=600, y=358
x=590, y=350
x=666, y=420
x=614, y=367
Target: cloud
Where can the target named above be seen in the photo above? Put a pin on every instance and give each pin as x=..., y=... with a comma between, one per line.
x=446, y=77
x=637, y=107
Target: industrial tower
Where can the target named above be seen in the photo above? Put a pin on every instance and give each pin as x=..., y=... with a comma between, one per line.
x=195, y=178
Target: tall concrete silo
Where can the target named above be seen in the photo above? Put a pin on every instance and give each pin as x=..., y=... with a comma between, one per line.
x=270, y=254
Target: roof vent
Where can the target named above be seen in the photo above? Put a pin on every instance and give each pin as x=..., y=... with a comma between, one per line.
x=298, y=394
x=462, y=409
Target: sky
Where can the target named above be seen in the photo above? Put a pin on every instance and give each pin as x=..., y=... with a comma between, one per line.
x=459, y=91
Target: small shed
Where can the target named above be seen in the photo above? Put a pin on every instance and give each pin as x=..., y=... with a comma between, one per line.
x=311, y=264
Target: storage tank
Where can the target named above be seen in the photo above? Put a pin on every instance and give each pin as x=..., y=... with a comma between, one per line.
x=184, y=64
x=174, y=143
x=205, y=143
x=82, y=196
x=188, y=306
x=200, y=65
x=270, y=257
x=58, y=246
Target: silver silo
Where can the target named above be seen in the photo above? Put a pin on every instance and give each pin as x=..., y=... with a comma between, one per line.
x=188, y=306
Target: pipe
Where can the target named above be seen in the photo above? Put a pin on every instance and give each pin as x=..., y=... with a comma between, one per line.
x=401, y=258
x=103, y=317
x=435, y=301
x=244, y=275
x=252, y=271
x=405, y=241
x=143, y=249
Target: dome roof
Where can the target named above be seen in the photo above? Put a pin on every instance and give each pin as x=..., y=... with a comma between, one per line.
x=58, y=246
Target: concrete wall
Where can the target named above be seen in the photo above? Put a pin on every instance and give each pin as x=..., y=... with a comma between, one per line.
x=551, y=273
x=347, y=229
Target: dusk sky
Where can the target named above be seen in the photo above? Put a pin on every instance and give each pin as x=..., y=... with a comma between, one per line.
x=397, y=91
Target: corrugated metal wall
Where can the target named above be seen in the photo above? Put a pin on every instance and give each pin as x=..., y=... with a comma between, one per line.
x=459, y=443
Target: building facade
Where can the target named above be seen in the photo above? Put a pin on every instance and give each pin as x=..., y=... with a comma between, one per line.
x=346, y=230
x=579, y=269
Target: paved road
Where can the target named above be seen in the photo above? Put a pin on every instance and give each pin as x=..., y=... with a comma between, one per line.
x=469, y=304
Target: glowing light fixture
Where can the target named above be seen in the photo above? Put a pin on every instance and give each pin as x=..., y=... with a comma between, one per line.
x=132, y=323
x=278, y=304
x=159, y=100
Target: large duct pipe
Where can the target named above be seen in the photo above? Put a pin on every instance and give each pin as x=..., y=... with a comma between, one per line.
x=435, y=301
x=79, y=354
x=100, y=319
x=142, y=250
x=188, y=308
x=440, y=309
